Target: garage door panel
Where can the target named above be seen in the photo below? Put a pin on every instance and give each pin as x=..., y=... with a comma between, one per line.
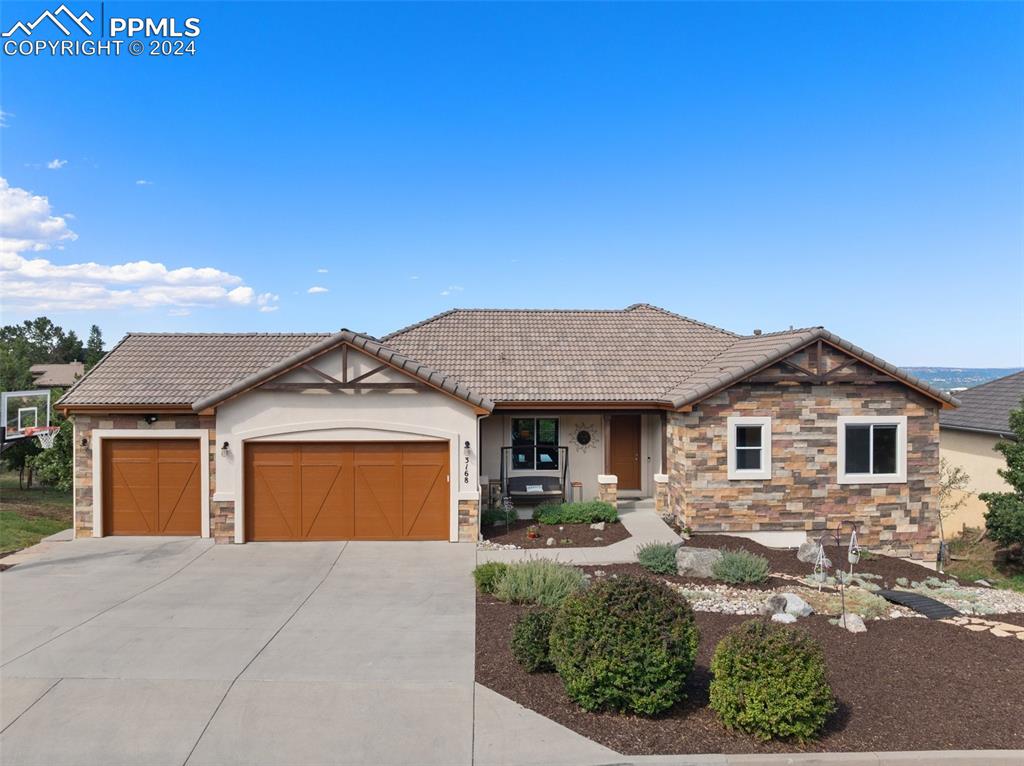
x=151, y=487
x=327, y=500
x=378, y=498
x=347, y=491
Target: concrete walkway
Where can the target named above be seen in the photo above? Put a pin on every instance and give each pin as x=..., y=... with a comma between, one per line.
x=638, y=517
x=172, y=651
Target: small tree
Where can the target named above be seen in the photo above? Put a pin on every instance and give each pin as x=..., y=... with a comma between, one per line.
x=953, y=493
x=1005, y=518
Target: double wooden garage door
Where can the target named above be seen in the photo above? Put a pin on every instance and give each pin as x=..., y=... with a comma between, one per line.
x=347, y=491
x=151, y=487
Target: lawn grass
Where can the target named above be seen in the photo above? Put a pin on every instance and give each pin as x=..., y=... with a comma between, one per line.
x=28, y=515
x=978, y=560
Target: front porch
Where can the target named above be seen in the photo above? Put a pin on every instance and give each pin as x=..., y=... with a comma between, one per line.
x=541, y=455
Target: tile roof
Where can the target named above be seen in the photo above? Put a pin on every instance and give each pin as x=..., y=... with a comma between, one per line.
x=371, y=346
x=178, y=368
x=632, y=354
x=638, y=354
x=987, y=407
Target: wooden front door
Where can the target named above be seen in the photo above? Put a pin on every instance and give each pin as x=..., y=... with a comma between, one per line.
x=624, y=450
x=151, y=487
x=347, y=491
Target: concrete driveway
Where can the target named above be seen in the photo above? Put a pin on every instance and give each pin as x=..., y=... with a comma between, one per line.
x=172, y=651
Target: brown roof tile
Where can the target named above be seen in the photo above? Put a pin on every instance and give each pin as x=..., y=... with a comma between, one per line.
x=987, y=407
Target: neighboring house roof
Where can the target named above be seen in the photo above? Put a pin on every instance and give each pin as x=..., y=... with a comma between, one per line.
x=371, y=346
x=619, y=355
x=641, y=354
x=56, y=375
x=986, y=408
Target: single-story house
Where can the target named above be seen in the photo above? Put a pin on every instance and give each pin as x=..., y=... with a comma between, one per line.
x=248, y=437
x=968, y=436
x=56, y=375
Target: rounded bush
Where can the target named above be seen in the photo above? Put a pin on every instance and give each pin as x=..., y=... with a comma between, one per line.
x=625, y=644
x=740, y=566
x=659, y=558
x=538, y=581
x=487, y=575
x=530, y=641
x=770, y=681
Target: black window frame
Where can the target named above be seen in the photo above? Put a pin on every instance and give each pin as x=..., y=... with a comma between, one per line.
x=526, y=451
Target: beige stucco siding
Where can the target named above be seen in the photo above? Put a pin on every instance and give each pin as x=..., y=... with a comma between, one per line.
x=974, y=453
x=345, y=416
x=584, y=463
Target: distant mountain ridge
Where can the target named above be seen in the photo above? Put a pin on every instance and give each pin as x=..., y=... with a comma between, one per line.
x=951, y=378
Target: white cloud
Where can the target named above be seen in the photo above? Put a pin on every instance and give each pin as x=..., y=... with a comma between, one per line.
x=321, y=271
x=3, y=118
x=268, y=309
x=452, y=289
x=37, y=283
x=179, y=313
x=143, y=182
x=415, y=276
x=316, y=289
x=56, y=164
x=27, y=222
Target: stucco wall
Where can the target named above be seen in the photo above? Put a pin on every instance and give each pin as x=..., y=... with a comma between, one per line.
x=974, y=453
x=345, y=416
x=584, y=464
x=803, y=492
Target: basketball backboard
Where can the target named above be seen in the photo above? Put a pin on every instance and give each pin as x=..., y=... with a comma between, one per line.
x=24, y=412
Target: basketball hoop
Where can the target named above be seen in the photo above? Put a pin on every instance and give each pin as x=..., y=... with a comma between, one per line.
x=46, y=436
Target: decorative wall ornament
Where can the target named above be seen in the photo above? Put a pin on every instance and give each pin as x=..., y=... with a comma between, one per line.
x=585, y=437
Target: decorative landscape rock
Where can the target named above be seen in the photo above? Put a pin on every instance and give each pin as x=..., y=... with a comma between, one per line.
x=852, y=622
x=550, y=541
x=783, y=618
x=696, y=562
x=599, y=526
x=776, y=604
x=808, y=552
x=796, y=606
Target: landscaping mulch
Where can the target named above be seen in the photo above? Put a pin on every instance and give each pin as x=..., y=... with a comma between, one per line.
x=697, y=582
x=906, y=684
x=785, y=561
x=579, y=535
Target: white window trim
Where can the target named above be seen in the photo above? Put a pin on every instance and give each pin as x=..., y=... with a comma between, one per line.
x=900, y=477
x=765, y=471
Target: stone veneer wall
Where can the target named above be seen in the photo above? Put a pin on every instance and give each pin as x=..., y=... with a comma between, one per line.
x=803, y=493
x=469, y=521
x=222, y=521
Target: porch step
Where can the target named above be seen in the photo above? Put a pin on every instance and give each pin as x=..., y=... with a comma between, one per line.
x=643, y=503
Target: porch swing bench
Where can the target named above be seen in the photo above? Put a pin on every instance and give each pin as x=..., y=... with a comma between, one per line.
x=535, y=488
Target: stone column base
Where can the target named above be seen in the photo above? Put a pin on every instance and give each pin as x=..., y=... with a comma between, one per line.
x=608, y=489
x=469, y=521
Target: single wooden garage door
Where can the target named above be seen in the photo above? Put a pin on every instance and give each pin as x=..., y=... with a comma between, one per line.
x=151, y=487
x=346, y=491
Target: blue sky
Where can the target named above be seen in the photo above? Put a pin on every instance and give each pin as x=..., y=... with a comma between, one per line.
x=857, y=166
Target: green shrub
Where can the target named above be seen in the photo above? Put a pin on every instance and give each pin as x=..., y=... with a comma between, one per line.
x=538, y=581
x=659, y=558
x=494, y=516
x=487, y=575
x=575, y=513
x=769, y=681
x=625, y=644
x=740, y=566
x=530, y=641
x=1004, y=520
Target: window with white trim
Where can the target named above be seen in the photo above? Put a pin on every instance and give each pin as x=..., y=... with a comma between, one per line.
x=872, y=450
x=750, y=448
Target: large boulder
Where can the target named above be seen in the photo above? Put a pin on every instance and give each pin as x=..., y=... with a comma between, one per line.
x=796, y=606
x=853, y=623
x=784, y=618
x=696, y=562
x=808, y=552
x=775, y=604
